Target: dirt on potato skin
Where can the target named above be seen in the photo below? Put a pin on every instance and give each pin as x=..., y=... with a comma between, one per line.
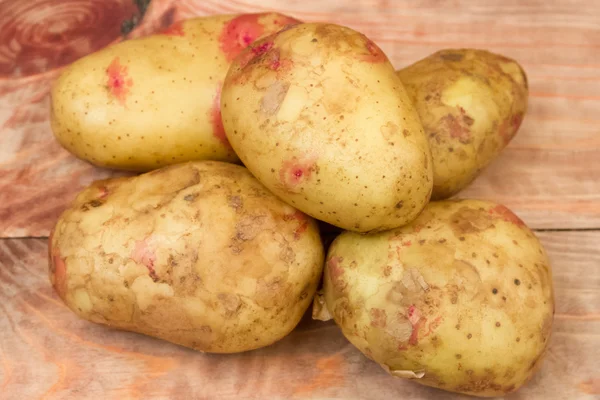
x=463, y=138
x=443, y=299
x=199, y=254
x=299, y=108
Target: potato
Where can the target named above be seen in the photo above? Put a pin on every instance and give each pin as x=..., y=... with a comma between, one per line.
x=199, y=254
x=471, y=103
x=150, y=102
x=461, y=299
x=318, y=115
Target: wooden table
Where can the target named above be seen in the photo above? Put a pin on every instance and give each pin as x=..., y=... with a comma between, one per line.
x=549, y=175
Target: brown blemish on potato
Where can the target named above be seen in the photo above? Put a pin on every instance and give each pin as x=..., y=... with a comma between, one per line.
x=453, y=292
x=468, y=220
x=248, y=227
x=505, y=214
x=236, y=203
x=390, y=132
x=287, y=254
x=478, y=383
x=230, y=302
x=378, y=317
x=387, y=270
x=273, y=97
x=336, y=273
x=450, y=56
x=190, y=197
x=458, y=126
x=272, y=292
x=92, y=203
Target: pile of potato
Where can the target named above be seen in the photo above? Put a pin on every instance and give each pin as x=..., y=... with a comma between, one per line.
x=455, y=294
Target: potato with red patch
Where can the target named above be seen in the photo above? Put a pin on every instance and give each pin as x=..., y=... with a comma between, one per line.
x=471, y=103
x=199, y=254
x=460, y=299
x=318, y=115
x=150, y=102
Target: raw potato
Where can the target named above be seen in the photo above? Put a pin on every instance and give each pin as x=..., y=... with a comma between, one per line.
x=145, y=103
x=471, y=103
x=461, y=299
x=199, y=254
x=318, y=115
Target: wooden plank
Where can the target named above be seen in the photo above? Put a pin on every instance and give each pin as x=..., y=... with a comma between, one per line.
x=549, y=174
x=47, y=352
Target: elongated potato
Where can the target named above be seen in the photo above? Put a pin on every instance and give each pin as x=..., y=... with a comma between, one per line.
x=461, y=299
x=471, y=103
x=145, y=103
x=199, y=254
x=318, y=115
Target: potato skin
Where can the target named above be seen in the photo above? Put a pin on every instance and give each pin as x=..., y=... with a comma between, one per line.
x=155, y=101
x=318, y=115
x=199, y=254
x=461, y=299
x=471, y=103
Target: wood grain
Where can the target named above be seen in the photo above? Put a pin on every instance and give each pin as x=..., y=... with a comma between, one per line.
x=47, y=352
x=549, y=174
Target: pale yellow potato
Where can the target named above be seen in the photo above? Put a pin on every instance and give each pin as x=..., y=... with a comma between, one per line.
x=471, y=104
x=461, y=299
x=145, y=103
x=199, y=254
x=318, y=115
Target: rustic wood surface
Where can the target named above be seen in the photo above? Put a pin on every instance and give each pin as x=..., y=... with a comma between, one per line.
x=549, y=175
x=47, y=352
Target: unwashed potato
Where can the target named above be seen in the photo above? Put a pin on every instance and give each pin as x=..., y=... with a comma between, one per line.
x=318, y=115
x=461, y=299
x=199, y=254
x=471, y=103
x=145, y=103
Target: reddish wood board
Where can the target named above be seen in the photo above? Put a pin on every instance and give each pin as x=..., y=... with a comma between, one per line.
x=549, y=175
